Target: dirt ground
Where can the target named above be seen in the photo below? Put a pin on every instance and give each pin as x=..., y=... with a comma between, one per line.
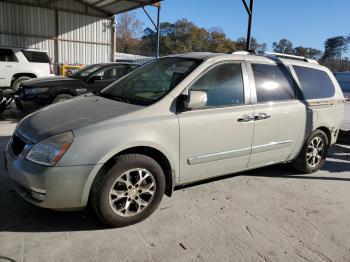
x=270, y=214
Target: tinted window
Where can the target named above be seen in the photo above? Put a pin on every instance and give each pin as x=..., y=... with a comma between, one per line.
x=273, y=83
x=86, y=71
x=36, y=57
x=114, y=73
x=314, y=83
x=223, y=85
x=7, y=55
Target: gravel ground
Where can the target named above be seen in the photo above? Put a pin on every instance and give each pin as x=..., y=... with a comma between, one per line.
x=270, y=214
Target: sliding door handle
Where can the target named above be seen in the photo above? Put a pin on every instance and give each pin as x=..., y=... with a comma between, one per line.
x=245, y=118
x=261, y=116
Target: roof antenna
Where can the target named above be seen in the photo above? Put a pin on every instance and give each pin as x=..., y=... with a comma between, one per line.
x=250, y=17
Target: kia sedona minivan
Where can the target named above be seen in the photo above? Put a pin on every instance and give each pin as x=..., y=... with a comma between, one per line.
x=174, y=121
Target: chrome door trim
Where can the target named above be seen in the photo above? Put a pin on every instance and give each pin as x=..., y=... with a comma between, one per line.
x=237, y=153
x=271, y=146
x=218, y=156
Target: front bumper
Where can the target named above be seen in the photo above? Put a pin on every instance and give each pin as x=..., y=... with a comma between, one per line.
x=28, y=106
x=48, y=187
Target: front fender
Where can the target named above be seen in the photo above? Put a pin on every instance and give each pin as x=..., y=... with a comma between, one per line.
x=116, y=151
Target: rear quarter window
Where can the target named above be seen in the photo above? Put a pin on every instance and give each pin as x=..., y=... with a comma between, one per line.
x=7, y=55
x=36, y=57
x=314, y=83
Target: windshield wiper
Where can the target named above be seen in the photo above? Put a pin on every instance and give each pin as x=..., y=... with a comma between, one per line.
x=110, y=96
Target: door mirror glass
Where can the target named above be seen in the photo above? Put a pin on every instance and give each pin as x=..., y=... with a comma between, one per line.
x=196, y=100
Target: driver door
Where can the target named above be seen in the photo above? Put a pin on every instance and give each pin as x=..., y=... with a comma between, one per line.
x=216, y=140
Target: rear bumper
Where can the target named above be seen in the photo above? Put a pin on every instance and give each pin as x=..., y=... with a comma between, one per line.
x=48, y=187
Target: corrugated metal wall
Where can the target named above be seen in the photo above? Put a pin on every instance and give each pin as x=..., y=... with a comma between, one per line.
x=82, y=39
x=93, y=33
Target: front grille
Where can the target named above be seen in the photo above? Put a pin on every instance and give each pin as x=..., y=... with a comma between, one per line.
x=17, y=145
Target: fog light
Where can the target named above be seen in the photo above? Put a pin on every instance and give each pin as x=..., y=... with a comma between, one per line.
x=40, y=196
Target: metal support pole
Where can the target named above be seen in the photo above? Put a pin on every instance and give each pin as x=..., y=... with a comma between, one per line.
x=113, y=39
x=250, y=18
x=158, y=31
x=56, y=44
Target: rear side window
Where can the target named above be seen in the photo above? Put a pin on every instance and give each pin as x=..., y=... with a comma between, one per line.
x=314, y=83
x=7, y=55
x=273, y=83
x=223, y=85
x=36, y=57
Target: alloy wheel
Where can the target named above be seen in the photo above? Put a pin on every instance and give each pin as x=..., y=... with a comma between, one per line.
x=315, y=152
x=132, y=192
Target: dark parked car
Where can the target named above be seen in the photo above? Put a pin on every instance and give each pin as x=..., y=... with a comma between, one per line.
x=40, y=92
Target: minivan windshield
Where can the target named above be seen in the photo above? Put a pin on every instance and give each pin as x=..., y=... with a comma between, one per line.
x=86, y=71
x=149, y=83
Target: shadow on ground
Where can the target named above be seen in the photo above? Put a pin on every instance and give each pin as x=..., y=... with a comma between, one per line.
x=20, y=216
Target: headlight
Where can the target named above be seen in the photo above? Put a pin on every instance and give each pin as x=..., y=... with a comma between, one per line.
x=50, y=150
x=35, y=90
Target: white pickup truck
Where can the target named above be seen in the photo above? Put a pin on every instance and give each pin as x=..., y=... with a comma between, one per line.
x=20, y=64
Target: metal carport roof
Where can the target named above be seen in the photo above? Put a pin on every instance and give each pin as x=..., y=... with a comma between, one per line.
x=101, y=8
x=112, y=7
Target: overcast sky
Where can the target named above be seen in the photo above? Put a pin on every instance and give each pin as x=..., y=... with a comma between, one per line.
x=304, y=22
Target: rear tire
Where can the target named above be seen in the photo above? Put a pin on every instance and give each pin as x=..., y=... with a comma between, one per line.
x=18, y=82
x=129, y=191
x=313, y=154
x=61, y=97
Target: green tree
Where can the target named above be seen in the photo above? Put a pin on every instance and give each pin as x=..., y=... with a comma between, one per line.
x=335, y=47
x=241, y=44
x=283, y=46
x=307, y=52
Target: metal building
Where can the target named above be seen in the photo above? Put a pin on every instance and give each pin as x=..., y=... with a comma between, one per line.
x=72, y=31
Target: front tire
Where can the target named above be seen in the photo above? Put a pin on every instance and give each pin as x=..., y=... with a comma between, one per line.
x=313, y=154
x=18, y=82
x=129, y=192
x=61, y=97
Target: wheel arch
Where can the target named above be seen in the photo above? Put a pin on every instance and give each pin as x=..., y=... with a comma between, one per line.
x=327, y=131
x=159, y=157
x=18, y=75
x=151, y=151
x=63, y=92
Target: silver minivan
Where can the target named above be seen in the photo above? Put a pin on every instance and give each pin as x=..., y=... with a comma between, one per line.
x=174, y=121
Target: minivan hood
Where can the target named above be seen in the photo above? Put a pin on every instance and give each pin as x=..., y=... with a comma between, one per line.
x=71, y=114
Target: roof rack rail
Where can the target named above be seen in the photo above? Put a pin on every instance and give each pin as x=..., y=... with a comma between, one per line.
x=279, y=55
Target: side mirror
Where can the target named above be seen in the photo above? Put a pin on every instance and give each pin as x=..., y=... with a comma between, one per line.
x=196, y=100
x=94, y=78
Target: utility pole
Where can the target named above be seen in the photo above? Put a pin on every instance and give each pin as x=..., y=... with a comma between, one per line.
x=250, y=17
